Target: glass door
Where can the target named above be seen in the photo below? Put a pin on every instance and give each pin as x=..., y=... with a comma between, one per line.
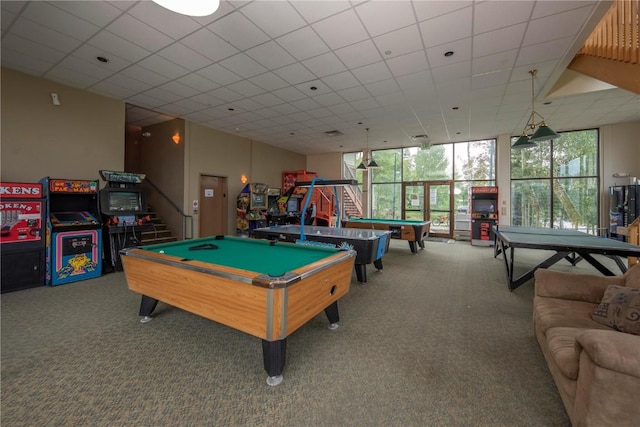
x=440, y=207
x=413, y=207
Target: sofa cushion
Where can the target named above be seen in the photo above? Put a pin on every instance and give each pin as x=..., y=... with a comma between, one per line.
x=554, y=312
x=561, y=343
x=619, y=309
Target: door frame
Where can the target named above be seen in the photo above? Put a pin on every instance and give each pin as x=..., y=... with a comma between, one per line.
x=427, y=212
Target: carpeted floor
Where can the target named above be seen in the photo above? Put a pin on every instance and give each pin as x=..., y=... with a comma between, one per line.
x=435, y=339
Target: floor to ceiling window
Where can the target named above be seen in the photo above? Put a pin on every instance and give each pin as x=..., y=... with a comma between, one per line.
x=556, y=184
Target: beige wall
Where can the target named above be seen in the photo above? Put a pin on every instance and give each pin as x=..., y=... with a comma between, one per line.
x=212, y=152
x=70, y=141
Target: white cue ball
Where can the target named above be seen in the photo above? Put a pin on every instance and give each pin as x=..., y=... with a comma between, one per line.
x=161, y=251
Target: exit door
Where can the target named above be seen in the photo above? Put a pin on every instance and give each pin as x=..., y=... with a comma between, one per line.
x=429, y=201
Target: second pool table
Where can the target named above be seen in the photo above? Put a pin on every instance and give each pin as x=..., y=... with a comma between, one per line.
x=413, y=231
x=266, y=289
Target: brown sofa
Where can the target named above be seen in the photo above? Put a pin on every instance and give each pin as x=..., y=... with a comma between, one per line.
x=595, y=367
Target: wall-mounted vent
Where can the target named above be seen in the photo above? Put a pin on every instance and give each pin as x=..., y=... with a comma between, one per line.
x=333, y=133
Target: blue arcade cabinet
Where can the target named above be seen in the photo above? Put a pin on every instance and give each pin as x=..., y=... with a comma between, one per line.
x=73, y=230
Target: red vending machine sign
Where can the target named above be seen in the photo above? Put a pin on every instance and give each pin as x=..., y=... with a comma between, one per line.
x=20, y=212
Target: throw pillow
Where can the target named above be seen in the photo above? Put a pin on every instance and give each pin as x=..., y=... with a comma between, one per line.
x=619, y=309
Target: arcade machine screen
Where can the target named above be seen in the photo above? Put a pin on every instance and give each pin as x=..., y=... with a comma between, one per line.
x=484, y=206
x=125, y=201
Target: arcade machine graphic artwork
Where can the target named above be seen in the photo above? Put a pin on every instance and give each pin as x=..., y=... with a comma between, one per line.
x=74, y=230
x=484, y=215
x=124, y=215
x=251, y=208
x=22, y=243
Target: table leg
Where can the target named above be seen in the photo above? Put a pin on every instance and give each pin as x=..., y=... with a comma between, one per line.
x=378, y=263
x=147, y=305
x=361, y=272
x=412, y=246
x=333, y=315
x=274, y=355
x=421, y=243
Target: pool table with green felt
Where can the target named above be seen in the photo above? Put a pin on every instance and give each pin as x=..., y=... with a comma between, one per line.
x=413, y=231
x=266, y=289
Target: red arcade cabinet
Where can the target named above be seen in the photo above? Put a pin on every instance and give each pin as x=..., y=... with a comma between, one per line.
x=22, y=243
x=484, y=215
x=74, y=230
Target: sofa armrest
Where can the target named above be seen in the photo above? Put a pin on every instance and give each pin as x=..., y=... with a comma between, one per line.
x=573, y=286
x=616, y=351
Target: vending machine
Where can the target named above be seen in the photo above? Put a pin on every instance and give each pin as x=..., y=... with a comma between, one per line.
x=22, y=236
x=73, y=230
x=484, y=215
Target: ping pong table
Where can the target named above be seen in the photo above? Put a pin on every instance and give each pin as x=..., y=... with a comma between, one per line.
x=572, y=245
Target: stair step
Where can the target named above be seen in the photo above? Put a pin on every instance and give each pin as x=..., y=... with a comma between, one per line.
x=154, y=241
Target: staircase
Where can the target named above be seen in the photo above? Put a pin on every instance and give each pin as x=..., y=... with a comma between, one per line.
x=158, y=232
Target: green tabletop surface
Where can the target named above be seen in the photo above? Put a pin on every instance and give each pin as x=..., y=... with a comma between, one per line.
x=254, y=255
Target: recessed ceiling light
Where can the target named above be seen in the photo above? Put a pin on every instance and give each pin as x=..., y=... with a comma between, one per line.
x=448, y=53
x=313, y=88
x=387, y=52
x=455, y=108
x=546, y=103
x=102, y=59
x=231, y=109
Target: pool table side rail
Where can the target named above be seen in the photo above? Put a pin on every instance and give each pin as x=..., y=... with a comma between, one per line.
x=232, y=298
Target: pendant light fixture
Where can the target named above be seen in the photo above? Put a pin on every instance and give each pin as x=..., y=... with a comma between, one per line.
x=372, y=164
x=541, y=132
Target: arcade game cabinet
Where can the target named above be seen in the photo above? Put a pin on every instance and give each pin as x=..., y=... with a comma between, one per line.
x=22, y=243
x=251, y=208
x=74, y=230
x=124, y=215
x=484, y=215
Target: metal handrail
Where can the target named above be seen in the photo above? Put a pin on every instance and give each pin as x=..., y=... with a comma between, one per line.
x=185, y=218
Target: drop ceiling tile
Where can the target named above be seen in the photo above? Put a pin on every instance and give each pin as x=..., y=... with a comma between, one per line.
x=499, y=40
x=209, y=44
x=70, y=77
x=139, y=33
x=382, y=87
x=269, y=81
x=546, y=8
x=365, y=104
x=60, y=21
x=399, y=42
x=246, y=88
x=40, y=34
x=268, y=100
x=341, y=30
x=243, y=65
x=289, y=94
x=556, y=26
x=271, y=55
x=107, y=42
x=208, y=100
x=175, y=25
x=408, y=64
x=135, y=86
x=144, y=75
x=384, y=16
x=498, y=61
x=197, y=82
x=320, y=113
x=262, y=12
x=32, y=49
x=534, y=54
x=324, y=65
x=461, y=52
x=359, y=54
x=306, y=104
x=313, y=11
x=452, y=26
x=249, y=37
x=85, y=67
x=341, y=81
x=177, y=88
x=105, y=87
x=163, y=66
x=354, y=93
x=328, y=99
x=219, y=74
x=496, y=78
x=180, y=54
x=492, y=15
x=295, y=74
x=431, y=9
x=303, y=44
x=225, y=94
x=97, y=13
x=372, y=73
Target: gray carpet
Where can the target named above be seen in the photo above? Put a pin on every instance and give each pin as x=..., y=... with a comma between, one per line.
x=435, y=339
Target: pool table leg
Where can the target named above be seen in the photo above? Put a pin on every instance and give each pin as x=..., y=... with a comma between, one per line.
x=147, y=305
x=333, y=315
x=274, y=355
x=412, y=246
x=421, y=243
